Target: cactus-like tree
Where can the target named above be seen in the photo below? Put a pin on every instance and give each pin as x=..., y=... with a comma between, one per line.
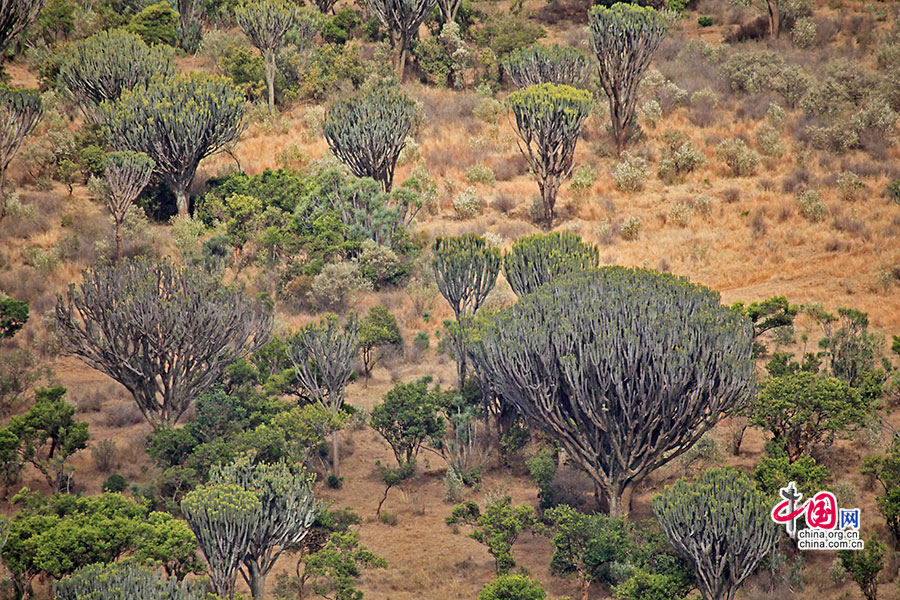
x=626, y=368
x=368, y=130
x=548, y=120
x=125, y=579
x=402, y=19
x=224, y=518
x=721, y=523
x=166, y=333
x=177, y=122
x=126, y=174
x=20, y=111
x=190, y=28
x=15, y=16
x=535, y=259
x=266, y=22
x=323, y=355
x=101, y=67
x=288, y=511
x=465, y=269
x=448, y=9
x=547, y=64
x=624, y=37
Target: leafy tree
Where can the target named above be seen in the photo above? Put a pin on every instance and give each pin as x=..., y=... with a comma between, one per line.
x=224, y=518
x=851, y=350
x=465, y=269
x=156, y=24
x=402, y=18
x=721, y=523
x=56, y=19
x=15, y=16
x=165, y=333
x=548, y=122
x=368, y=130
x=394, y=477
x=103, y=66
x=864, y=565
x=287, y=507
x=802, y=410
x=190, y=24
x=13, y=316
x=603, y=378
x=177, y=122
x=169, y=542
x=20, y=111
x=333, y=570
x=512, y=587
x=644, y=585
x=536, y=259
x=323, y=356
x=377, y=330
x=126, y=174
x=498, y=527
x=886, y=471
x=49, y=436
x=773, y=473
x=125, y=579
x=624, y=37
x=767, y=315
x=547, y=64
x=266, y=22
x=408, y=418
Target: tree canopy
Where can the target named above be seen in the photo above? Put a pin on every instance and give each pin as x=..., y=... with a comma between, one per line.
x=537, y=259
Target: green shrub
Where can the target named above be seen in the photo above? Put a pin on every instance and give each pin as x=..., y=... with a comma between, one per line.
x=339, y=28
x=467, y=204
x=811, y=206
x=850, y=185
x=156, y=24
x=380, y=265
x=651, y=112
x=513, y=587
x=679, y=157
x=680, y=213
x=336, y=285
x=892, y=191
x=631, y=229
x=115, y=483
x=741, y=159
x=705, y=21
x=703, y=204
x=776, y=116
x=768, y=138
x=631, y=173
x=803, y=33
x=480, y=174
x=582, y=179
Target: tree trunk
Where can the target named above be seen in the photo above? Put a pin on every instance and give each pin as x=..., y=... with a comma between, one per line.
x=257, y=580
x=181, y=200
x=620, y=503
x=118, y=240
x=2, y=196
x=401, y=65
x=335, y=463
x=270, y=78
x=774, y=18
x=585, y=586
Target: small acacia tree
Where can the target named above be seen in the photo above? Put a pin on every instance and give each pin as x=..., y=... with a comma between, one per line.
x=288, y=510
x=368, y=130
x=465, y=269
x=886, y=471
x=128, y=579
x=512, y=587
x=323, y=355
x=101, y=67
x=177, y=122
x=498, y=527
x=126, y=174
x=536, y=259
x=266, y=22
x=15, y=16
x=625, y=368
x=548, y=120
x=13, y=316
x=624, y=37
x=377, y=330
x=20, y=111
x=863, y=566
x=721, y=523
x=402, y=18
x=165, y=333
x=408, y=418
x=547, y=64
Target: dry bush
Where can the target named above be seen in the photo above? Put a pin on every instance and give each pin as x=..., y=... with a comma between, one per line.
x=797, y=180
x=91, y=402
x=731, y=195
x=758, y=225
x=125, y=415
x=507, y=168
x=503, y=203
x=757, y=29
x=105, y=455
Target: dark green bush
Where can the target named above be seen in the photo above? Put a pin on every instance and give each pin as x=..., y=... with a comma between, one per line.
x=156, y=24
x=115, y=483
x=705, y=21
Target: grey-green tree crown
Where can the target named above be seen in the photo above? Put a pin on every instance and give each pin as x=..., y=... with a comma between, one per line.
x=537, y=259
x=124, y=580
x=547, y=64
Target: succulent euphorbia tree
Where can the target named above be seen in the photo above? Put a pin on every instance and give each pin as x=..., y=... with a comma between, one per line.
x=536, y=259
x=547, y=64
x=402, y=19
x=266, y=22
x=20, y=111
x=126, y=174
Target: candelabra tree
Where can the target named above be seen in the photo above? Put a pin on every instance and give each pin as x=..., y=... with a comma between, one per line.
x=125, y=579
x=402, y=18
x=537, y=259
x=100, y=68
x=547, y=64
x=548, y=120
x=20, y=111
x=15, y=16
x=624, y=38
x=465, y=269
x=266, y=22
x=323, y=355
x=721, y=523
x=625, y=368
x=126, y=175
x=177, y=122
x=165, y=333
x=368, y=130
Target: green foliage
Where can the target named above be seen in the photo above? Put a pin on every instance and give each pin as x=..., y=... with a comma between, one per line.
x=377, y=330
x=811, y=206
x=408, y=418
x=368, y=130
x=115, y=483
x=679, y=157
x=266, y=22
x=802, y=410
x=338, y=28
x=57, y=19
x=177, y=122
x=381, y=266
x=125, y=579
x=886, y=471
x=851, y=350
x=333, y=570
x=864, y=565
x=535, y=260
x=630, y=173
x=647, y=586
x=767, y=315
x=547, y=64
x=721, y=523
x=498, y=527
x=705, y=21
x=402, y=18
x=156, y=24
x=13, y=316
x=101, y=67
x=505, y=32
x=773, y=473
x=548, y=122
x=741, y=159
x=512, y=587
x=445, y=57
